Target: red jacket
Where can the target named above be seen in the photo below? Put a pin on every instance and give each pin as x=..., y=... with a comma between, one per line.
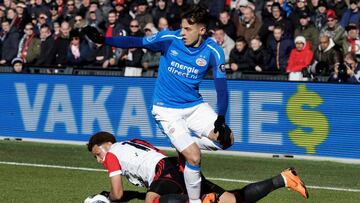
x=300, y=59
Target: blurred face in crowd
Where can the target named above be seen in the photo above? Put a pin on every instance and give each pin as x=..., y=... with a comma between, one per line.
x=322, y=9
x=324, y=42
x=86, y=2
x=75, y=41
x=161, y=4
x=304, y=21
x=353, y=33
x=134, y=26
x=11, y=14
x=54, y=11
x=142, y=8
x=179, y=2
x=248, y=14
x=315, y=2
x=224, y=18
x=299, y=46
x=331, y=22
x=18, y=67
x=29, y=29
x=349, y=60
x=219, y=36
x=93, y=8
x=268, y=6
x=56, y=27
x=240, y=46
x=5, y=26
x=65, y=29
x=112, y=18
x=7, y=3
x=301, y=4
x=354, y=6
x=278, y=33
x=59, y=2
x=38, y=2
x=276, y=13
x=192, y=33
x=92, y=16
x=71, y=6
x=42, y=19
x=78, y=21
x=163, y=23
x=255, y=44
x=20, y=8
x=44, y=33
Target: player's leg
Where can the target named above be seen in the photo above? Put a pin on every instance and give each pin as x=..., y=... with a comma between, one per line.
x=201, y=122
x=256, y=191
x=172, y=124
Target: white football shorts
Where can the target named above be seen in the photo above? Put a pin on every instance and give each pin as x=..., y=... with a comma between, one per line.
x=179, y=124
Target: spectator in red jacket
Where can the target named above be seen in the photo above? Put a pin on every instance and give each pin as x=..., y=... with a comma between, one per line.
x=300, y=59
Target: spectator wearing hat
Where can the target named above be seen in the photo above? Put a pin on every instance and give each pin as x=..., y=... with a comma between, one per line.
x=29, y=45
x=352, y=42
x=122, y=13
x=279, y=46
x=9, y=38
x=277, y=19
x=150, y=60
x=238, y=58
x=77, y=51
x=18, y=66
x=333, y=28
x=351, y=15
x=47, y=47
x=249, y=25
x=307, y=30
x=300, y=59
x=142, y=15
x=326, y=56
x=160, y=10
x=319, y=16
x=300, y=8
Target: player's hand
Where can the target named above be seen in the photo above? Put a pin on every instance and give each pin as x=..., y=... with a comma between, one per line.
x=93, y=34
x=219, y=125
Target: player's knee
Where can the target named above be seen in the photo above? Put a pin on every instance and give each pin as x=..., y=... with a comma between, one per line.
x=194, y=160
x=192, y=154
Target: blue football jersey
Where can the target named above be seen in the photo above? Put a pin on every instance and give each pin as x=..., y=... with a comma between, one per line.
x=182, y=68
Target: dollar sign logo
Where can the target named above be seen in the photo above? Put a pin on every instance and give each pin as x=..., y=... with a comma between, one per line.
x=312, y=126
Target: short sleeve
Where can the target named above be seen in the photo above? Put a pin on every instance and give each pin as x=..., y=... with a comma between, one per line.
x=112, y=164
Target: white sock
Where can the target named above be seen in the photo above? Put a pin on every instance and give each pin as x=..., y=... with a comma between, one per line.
x=192, y=178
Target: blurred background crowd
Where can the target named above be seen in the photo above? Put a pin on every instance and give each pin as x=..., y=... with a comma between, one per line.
x=302, y=39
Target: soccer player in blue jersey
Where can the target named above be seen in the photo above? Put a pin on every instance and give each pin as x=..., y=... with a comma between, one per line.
x=178, y=108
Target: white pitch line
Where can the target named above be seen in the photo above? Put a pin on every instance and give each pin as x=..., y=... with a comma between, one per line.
x=210, y=178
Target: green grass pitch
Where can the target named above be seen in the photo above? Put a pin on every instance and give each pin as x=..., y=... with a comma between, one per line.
x=41, y=184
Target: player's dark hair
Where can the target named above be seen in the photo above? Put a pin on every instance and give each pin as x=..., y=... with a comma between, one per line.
x=197, y=14
x=99, y=139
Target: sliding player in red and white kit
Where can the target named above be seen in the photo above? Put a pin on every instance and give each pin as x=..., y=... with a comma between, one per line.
x=146, y=166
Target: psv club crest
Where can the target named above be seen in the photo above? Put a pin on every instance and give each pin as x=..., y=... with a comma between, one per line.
x=201, y=62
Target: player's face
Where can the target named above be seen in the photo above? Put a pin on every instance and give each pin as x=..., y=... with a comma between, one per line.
x=99, y=153
x=192, y=34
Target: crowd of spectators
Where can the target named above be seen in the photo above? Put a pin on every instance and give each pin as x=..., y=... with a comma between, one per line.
x=301, y=38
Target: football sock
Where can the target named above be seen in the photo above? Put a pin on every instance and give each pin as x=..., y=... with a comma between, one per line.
x=192, y=178
x=256, y=191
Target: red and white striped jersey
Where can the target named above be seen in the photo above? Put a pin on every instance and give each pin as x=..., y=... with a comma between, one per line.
x=134, y=159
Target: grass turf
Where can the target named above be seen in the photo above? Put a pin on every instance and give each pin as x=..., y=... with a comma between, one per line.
x=34, y=184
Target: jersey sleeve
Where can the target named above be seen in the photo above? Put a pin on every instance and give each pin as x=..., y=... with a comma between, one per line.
x=160, y=41
x=217, y=62
x=112, y=164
